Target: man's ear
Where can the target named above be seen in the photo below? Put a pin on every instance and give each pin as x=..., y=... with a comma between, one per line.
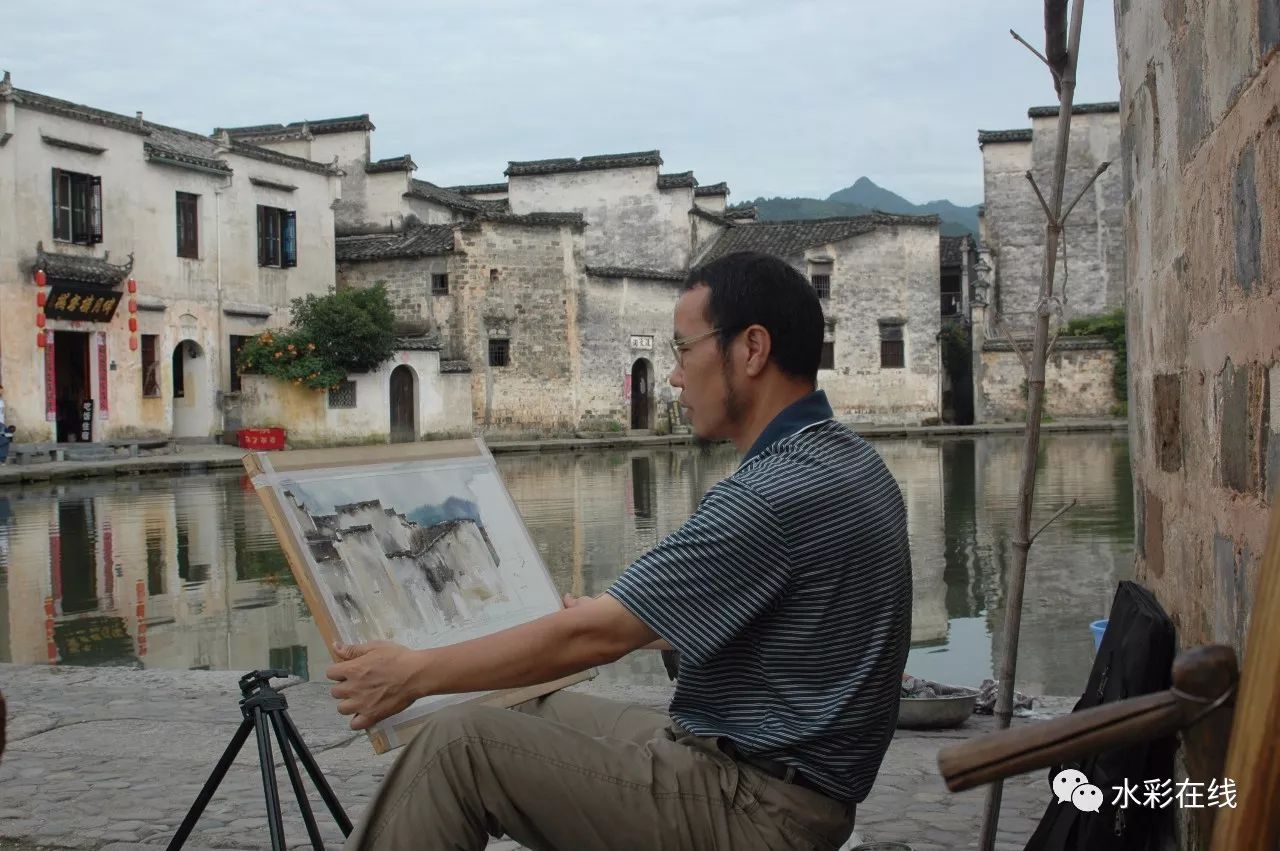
x=758, y=346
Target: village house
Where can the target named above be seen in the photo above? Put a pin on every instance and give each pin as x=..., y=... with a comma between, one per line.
x=159, y=251
x=1089, y=275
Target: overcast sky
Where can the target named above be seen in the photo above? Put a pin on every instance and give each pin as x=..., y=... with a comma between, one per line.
x=777, y=97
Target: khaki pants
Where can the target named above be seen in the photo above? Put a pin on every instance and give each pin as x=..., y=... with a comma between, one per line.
x=572, y=772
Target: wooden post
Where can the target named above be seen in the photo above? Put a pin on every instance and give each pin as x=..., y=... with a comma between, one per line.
x=1253, y=757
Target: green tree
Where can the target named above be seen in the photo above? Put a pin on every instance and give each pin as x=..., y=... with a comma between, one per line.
x=329, y=336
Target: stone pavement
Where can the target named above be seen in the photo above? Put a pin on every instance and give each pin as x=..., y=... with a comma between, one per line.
x=111, y=759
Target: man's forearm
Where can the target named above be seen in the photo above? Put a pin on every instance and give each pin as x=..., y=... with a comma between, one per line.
x=540, y=651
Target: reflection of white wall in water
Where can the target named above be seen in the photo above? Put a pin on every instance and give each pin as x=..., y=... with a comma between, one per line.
x=395, y=579
x=918, y=470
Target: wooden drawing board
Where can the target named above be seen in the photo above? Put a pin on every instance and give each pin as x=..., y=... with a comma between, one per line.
x=418, y=543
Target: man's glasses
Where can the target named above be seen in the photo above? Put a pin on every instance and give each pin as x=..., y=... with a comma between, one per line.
x=681, y=344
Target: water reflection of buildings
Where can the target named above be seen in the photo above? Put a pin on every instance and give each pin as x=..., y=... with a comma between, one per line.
x=150, y=572
x=190, y=572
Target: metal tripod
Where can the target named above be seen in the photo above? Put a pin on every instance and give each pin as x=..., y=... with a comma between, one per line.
x=261, y=704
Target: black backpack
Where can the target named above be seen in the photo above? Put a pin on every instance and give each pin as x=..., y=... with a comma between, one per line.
x=1136, y=658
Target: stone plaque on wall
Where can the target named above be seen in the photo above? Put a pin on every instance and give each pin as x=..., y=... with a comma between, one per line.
x=643, y=342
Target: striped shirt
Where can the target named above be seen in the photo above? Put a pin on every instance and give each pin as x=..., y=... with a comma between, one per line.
x=788, y=595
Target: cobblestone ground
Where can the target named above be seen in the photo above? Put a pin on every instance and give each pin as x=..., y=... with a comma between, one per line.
x=110, y=758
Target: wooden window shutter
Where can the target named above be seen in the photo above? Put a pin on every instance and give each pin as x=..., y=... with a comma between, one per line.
x=262, y=235
x=95, y=209
x=289, y=240
x=54, y=198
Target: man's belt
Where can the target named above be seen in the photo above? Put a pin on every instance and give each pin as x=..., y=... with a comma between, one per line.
x=773, y=768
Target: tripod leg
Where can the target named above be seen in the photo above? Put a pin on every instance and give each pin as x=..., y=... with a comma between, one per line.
x=275, y=821
x=317, y=776
x=295, y=779
x=211, y=785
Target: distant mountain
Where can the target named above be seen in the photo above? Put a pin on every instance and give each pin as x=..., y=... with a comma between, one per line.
x=863, y=197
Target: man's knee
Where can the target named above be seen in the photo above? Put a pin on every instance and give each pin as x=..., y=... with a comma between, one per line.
x=455, y=723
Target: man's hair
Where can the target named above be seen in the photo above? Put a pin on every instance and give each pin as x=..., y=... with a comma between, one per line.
x=750, y=288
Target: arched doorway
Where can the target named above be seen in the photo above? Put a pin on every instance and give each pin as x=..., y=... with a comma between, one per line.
x=641, y=394
x=404, y=405
x=192, y=392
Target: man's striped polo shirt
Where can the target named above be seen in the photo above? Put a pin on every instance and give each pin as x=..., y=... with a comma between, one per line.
x=788, y=595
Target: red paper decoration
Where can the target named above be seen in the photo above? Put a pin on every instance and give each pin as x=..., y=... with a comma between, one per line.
x=39, y=339
x=40, y=279
x=133, y=286
x=133, y=324
x=133, y=305
x=39, y=320
x=133, y=344
x=40, y=298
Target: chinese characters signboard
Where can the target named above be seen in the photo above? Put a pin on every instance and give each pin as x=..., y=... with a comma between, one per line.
x=643, y=342
x=86, y=421
x=85, y=304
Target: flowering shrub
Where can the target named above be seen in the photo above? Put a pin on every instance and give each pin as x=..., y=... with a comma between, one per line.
x=329, y=337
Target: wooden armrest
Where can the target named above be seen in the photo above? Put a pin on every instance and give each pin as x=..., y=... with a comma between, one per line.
x=1200, y=677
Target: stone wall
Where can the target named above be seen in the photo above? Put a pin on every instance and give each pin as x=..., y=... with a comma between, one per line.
x=408, y=283
x=1078, y=380
x=625, y=320
x=888, y=273
x=1201, y=159
x=519, y=283
x=1201, y=154
x=1094, y=233
x=630, y=223
x=440, y=404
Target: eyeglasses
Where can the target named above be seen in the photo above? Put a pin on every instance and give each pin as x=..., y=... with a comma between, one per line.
x=681, y=344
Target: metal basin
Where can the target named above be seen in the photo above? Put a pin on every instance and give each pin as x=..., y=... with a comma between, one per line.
x=935, y=713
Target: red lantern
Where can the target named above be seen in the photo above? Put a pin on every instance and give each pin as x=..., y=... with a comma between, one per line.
x=133, y=286
x=40, y=298
x=40, y=279
x=133, y=324
x=133, y=344
x=39, y=320
x=133, y=305
x=39, y=339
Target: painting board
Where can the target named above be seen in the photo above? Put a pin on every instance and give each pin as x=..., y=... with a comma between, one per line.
x=417, y=543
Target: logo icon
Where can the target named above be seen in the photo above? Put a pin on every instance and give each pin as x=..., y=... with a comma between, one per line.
x=1071, y=786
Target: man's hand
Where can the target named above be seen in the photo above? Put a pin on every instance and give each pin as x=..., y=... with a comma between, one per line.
x=375, y=680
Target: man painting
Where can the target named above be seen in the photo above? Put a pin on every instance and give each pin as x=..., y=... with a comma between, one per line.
x=787, y=594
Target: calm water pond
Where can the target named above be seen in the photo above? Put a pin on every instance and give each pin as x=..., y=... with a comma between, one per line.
x=185, y=572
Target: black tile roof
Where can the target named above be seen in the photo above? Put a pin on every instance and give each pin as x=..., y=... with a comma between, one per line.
x=479, y=188
x=528, y=219
x=628, y=272
x=791, y=238
x=85, y=270
x=987, y=136
x=451, y=366
x=425, y=343
x=297, y=129
x=1076, y=109
x=678, y=180
x=720, y=188
x=710, y=216
x=167, y=144
x=592, y=163
x=500, y=205
x=737, y=213
x=951, y=249
x=428, y=191
x=400, y=163
x=414, y=241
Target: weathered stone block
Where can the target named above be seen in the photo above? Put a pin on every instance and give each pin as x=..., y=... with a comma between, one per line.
x=1248, y=224
x=1167, y=392
x=1268, y=26
x=1243, y=415
x=1153, y=533
x=1226, y=600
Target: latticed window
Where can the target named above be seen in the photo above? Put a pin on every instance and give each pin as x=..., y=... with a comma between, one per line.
x=77, y=207
x=344, y=395
x=439, y=284
x=822, y=285
x=499, y=352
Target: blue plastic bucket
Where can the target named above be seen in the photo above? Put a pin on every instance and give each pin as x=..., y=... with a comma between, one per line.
x=1097, y=628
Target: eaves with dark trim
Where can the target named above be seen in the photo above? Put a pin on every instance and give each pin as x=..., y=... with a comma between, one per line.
x=627, y=272
x=1076, y=109
x=720, y=188
x=679, y=180
x=479, y=188
x=271, y=184
x=986, y=137
x=401, y=163
x=596, y=162
x=536, y=220
x=72, y=146
x=164, y=156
